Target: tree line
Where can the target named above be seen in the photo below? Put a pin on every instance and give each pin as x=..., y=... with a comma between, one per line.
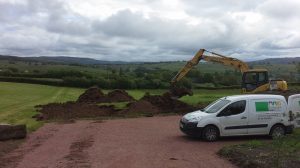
x=120, y=77
x=126, y=77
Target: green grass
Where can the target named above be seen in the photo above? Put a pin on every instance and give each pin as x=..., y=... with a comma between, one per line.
x=117, y=105
x=275, y=153
x=17, y=101
x=202, y=96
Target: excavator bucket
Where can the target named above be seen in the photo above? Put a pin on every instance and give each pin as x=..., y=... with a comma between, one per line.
x=177, y=92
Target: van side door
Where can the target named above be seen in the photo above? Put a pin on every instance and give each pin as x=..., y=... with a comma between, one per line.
x=234, y=118
x=263, y=114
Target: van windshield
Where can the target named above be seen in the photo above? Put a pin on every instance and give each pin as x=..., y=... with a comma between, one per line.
x=216, y=106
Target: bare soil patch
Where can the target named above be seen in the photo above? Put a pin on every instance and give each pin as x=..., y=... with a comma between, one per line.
x=73, y=110
x=121, y=143
x=7, y=147
x=87, y=106
x=78, y=156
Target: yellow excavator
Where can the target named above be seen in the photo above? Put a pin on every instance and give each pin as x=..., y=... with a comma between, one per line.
x=253, y=80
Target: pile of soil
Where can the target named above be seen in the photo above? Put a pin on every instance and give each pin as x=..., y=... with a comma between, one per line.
x=91, y=95
x=142, y=106
x=87, y=105
x=167, y=104
x=12, y=131
x=119, y=95
x=179, y=92
x=95, y=95
x=155, y=104
x=73, y=110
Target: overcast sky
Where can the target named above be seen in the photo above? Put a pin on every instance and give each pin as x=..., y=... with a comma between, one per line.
x=150, y=30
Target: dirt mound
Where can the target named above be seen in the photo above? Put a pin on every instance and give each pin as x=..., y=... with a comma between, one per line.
x=73, y=110
x=142, y=106
x=12, y=131
x=165, y=103
x=86, y=105
x=119, y=96
x=179, y=92
x=92, y=95
x=95, y=95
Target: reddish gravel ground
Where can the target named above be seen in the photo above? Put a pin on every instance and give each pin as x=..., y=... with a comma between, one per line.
x=125, y=143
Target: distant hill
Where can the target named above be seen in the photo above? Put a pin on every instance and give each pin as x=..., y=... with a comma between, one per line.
x=74, y=60
x=60, y=60
x=294, y=60
x=90, y=61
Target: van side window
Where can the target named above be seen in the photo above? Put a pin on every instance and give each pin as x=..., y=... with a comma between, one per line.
x=233, y=109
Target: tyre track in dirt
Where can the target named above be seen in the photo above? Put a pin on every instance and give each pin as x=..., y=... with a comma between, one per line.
x=51, y=145
x=125, y=143
x=78, y=155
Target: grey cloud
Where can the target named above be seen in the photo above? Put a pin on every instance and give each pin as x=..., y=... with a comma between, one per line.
x=169, y=35
x=217, y=8
x=50, y=27
x=282, y=10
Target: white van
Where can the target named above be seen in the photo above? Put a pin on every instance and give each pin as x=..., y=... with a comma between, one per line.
x=294, y=108
x=243, y=115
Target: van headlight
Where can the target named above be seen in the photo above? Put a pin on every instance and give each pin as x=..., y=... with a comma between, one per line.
x=195, y=119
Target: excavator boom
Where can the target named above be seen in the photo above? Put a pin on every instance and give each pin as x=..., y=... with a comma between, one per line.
x=187, y=67
x=217, y=58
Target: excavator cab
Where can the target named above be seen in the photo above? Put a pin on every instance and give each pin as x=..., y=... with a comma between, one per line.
x=255, y=80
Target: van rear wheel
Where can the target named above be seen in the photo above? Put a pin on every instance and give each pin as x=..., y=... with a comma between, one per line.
x=210, y=133
x=277, y=131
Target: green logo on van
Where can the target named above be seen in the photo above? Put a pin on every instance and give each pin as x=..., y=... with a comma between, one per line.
x=262, y=106
x=268, y=106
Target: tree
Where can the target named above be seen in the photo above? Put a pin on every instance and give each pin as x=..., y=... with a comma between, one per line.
x=208, y=78
x=298, y=67
x=121, y=73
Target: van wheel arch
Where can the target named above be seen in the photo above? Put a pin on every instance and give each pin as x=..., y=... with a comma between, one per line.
x=207, y=126
x=277, y=124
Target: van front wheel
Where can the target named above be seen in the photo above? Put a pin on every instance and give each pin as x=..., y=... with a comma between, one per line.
x=277, y=131
x=210, y=133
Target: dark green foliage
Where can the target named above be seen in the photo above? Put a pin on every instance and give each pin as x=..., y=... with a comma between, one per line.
x=133, y=76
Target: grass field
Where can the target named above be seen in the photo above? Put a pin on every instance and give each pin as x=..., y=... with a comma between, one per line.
x=17, y=100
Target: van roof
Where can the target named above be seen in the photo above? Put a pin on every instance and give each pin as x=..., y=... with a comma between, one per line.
x=253, y=96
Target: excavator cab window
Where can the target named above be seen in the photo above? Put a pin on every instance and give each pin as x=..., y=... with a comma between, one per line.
x=252, y=80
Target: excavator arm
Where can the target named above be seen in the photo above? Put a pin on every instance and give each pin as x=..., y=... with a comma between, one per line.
x=217, y=58
x=214, y=57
